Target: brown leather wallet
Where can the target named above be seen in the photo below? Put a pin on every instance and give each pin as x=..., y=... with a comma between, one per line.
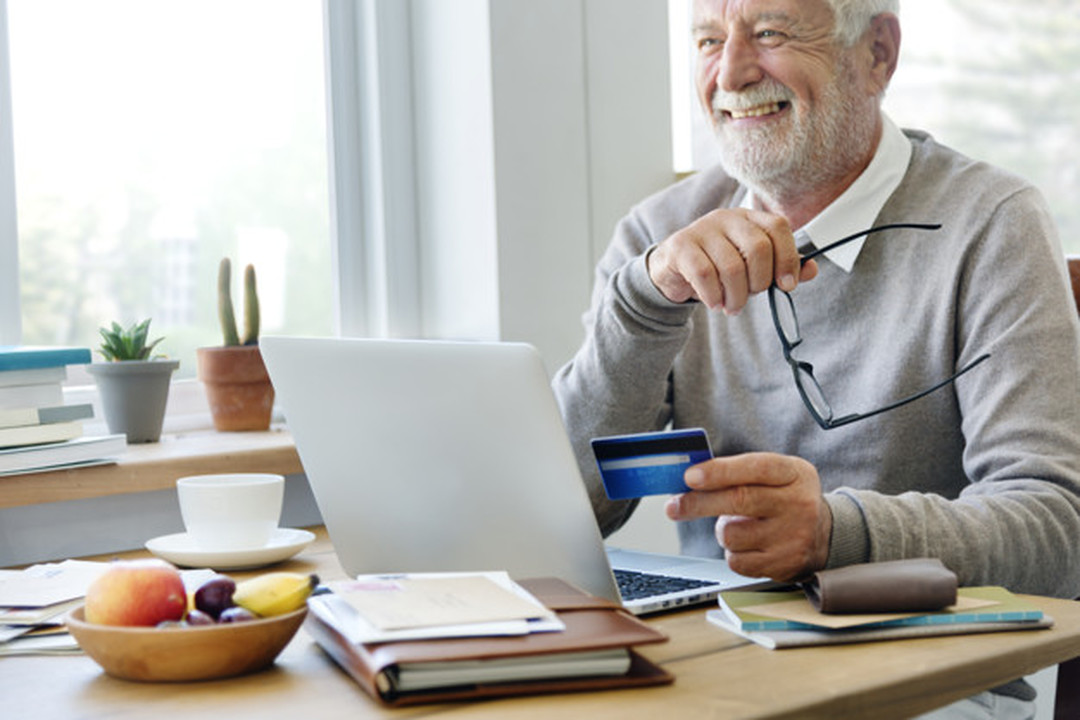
x=920, y=584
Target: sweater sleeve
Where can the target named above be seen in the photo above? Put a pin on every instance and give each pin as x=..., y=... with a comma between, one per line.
x=631, y=332
x=1016, y=521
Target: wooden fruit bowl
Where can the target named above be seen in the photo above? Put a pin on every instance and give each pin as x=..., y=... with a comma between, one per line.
x=201, y=652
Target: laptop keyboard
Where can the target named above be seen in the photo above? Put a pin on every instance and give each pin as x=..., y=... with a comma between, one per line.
x=634, y=585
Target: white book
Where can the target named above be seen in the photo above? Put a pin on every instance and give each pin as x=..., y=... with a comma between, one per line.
x=17, y=417
x=33, y=376
x=83, y=450
x=426, y=676
x=38, y=434
x=31, y=396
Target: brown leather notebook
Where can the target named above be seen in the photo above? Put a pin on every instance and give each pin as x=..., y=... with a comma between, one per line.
x=592, y=624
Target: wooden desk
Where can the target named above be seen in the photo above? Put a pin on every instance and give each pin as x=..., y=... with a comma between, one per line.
x=718, y=675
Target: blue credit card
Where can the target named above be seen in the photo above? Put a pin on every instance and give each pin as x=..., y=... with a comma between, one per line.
x=632, y=466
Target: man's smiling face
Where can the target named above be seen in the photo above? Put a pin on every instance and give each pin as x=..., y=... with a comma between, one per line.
x=788, y=103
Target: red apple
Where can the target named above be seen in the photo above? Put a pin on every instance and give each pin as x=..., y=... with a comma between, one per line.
x=136, y=592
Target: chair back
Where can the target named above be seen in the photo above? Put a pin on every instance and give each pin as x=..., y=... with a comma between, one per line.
x=1067, y=700
x=1074, y=277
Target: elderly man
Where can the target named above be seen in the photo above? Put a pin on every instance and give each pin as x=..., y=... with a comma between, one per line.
x=704, y=315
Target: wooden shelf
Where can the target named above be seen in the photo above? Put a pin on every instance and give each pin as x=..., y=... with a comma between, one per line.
x=156, y=466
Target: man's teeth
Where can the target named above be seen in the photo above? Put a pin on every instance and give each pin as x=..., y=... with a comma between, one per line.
x=755, y=111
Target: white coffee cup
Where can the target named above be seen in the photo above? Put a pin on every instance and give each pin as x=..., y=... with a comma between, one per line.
x=233, y=511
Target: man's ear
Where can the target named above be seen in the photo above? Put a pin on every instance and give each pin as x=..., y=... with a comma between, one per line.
x=884, y=38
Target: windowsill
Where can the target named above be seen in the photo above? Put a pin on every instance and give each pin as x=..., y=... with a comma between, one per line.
x=156, y=466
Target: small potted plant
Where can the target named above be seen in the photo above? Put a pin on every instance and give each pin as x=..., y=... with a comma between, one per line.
x=134, y=387
x=237, y=385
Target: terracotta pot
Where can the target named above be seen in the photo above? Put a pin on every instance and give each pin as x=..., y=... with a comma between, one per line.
x=237, y=387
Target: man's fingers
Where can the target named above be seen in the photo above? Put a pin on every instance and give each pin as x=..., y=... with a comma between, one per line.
x=749, y=269
x=725, y=257
x=784, y=262
x=697, y=263
x=749, y=468
x=741, y=501
x=769, y=548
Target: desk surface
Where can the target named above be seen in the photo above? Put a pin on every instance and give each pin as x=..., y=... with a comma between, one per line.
x=718, y=675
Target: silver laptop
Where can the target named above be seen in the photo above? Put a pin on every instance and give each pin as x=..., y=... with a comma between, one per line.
x=438, y=456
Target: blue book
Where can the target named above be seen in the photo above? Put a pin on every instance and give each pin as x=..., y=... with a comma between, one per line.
x=750, y=612
x=22, y=357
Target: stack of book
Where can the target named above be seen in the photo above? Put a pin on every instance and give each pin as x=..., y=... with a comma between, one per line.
x=782, y=619
x=434, y=637
x=38, y=431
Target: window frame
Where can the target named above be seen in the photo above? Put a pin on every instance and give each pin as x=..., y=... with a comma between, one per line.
x=369, y=121
x=10, y=308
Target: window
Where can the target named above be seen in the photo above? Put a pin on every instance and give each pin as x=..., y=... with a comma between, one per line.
x=453, y=191
x=993, y=79
x=154, y=137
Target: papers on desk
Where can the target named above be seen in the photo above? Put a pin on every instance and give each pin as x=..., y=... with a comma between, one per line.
x=418, y=606
x=34, y=601
x=788, y=619
x=47, y=584
x=39, y=640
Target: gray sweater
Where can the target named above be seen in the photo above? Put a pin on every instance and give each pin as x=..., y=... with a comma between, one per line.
x=984, y=474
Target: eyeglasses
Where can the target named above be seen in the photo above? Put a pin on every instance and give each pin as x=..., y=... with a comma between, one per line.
x=787, y=327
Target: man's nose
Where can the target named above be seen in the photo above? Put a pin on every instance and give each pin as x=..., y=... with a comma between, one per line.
x=739, y=66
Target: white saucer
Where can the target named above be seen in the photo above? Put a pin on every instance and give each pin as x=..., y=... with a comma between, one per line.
x=181, y=549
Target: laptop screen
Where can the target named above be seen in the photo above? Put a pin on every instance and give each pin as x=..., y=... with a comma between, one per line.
x=438, y=456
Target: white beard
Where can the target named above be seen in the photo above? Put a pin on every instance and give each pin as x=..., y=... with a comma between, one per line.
x=778, y=160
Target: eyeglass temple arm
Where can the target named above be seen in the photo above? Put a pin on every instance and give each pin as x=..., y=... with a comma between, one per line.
x=912, y=398
x=862, y=233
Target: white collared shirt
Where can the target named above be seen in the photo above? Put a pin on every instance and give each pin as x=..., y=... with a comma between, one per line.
x=858, y=206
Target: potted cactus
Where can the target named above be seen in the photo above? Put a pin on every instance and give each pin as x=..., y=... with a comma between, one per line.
x=237, y=384
x=133, y=385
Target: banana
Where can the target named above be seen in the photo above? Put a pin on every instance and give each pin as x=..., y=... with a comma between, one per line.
x=274, y=593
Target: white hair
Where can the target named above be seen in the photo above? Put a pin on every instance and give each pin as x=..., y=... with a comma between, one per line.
x=853, y=17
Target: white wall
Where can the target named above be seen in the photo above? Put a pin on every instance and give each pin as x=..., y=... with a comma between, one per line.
x=629, y=107
x=542, y=169
x=537, y=125
x=455, y=180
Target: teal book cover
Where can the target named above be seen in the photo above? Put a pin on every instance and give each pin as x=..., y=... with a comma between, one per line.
x=22, y=357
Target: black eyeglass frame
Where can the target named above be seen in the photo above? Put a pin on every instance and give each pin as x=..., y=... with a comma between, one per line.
x=801, y=369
